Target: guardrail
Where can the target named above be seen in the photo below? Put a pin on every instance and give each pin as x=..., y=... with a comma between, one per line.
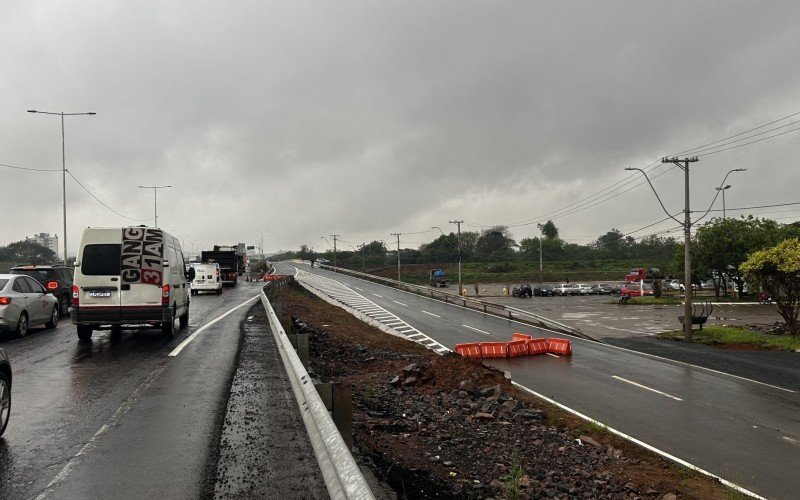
x=341, y=474
x=488, y=307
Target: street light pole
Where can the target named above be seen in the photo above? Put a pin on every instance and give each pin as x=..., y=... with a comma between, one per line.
x=155, y=201
x=720, y=188
x=63, y=167
x=460, y=284
x=398, y=254
x=334, y=236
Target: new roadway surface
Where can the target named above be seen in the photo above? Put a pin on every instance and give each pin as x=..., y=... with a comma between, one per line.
x=741, y=430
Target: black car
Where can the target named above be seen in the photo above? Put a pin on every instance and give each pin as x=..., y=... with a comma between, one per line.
x=543, y=290
x=5, y=391
x=522, y=290
x=616, y=288
x=56, y=280
x=602, y=289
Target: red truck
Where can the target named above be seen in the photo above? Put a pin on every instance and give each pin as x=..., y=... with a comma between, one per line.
x=640, y=273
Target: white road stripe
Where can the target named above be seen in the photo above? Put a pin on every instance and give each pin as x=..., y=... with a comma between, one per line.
x=476, y=329
x=647, y=388
x=379, y=296
x=434, y=315
x=360, y=290
x=551, y=354
x=793, y=441
x=404, y=305
x=197, y=332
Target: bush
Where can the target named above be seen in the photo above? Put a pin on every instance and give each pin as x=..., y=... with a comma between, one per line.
x=500, y=267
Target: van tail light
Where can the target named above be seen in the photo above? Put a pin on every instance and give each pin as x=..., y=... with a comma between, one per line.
x=4, y=301
x=75, y=295
x=52, y=285
x=165, y=295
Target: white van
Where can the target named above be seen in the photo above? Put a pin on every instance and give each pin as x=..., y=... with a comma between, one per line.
x=132, y=276
x=207, y=278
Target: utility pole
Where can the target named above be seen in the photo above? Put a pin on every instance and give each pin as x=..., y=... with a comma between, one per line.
x=458, y=223
x=540, y=261
x=364, y=256
x=687, y=238
x=398, y=254
x=334, y=236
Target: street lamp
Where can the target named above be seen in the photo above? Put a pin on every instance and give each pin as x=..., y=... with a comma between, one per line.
x=720, y=188
x=155, y=201
x=63, y=166
x=261, y=248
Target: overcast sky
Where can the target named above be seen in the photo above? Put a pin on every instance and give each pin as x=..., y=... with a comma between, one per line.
x=371, y=117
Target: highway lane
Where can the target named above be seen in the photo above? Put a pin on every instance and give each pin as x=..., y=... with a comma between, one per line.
x=149, y=420
x=743, y=431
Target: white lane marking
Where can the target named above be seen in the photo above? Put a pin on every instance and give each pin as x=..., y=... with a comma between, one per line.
x=551, y=354
x=640, y=443
x=404, y=305
x=476, y=329
x=197, y=332
x=426, y=312
x=646, y=388
x=355, y=287
x=793, y=441
x=379, y=296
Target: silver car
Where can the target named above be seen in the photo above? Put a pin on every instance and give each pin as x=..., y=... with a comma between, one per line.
x=25, y=303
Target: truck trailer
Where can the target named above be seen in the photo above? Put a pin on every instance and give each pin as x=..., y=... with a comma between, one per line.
x=231, y=262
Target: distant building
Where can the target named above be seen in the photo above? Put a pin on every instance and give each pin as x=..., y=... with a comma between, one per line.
x=45, y=239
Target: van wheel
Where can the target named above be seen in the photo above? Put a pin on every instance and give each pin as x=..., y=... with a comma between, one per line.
x=168, y=327
x=84, y=333
x=183, y=320
x=219, y=291
x=22, y=325
x=53, y=318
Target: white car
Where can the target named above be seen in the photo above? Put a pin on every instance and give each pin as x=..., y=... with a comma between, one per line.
x=565, y=289
x=583, y=289
x=25, y=303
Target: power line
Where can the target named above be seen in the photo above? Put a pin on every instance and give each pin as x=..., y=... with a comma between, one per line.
x=30, y=169
x=100, y=202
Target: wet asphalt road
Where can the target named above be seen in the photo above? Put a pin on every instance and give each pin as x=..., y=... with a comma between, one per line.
x=118, y=417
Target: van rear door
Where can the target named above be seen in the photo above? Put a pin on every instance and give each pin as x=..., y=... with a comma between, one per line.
x=100, y=268
x=142, y=272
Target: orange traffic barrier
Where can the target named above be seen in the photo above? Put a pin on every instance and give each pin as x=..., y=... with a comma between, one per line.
x=537, y=346
x=517, y=348
x=520, y=336
x=559, y=346
x=472, y=350
x=494, y=349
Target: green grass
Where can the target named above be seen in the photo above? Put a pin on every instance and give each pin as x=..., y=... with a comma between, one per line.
x=712, y=335
x=590, y=428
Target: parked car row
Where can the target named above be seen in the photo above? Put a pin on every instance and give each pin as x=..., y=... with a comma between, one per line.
x=526, y=290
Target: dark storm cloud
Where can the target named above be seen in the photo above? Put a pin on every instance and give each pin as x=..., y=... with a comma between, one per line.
x=365, y=118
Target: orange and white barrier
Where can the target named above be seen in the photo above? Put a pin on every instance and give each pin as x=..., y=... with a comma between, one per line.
x=472, y=350
x=494, y=349
x=517, y=348
x=521, y=344
x=559, y=346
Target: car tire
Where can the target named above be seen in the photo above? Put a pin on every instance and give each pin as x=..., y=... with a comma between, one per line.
x=116, y=330
x=63, y=305
x=219, y=291
x=53, y=317
x=5, y=402
x=84, y=333
x=183, y=320
x=22, y=324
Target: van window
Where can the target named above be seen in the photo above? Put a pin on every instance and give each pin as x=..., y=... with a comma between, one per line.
x=174, y=264
x=101, y=260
